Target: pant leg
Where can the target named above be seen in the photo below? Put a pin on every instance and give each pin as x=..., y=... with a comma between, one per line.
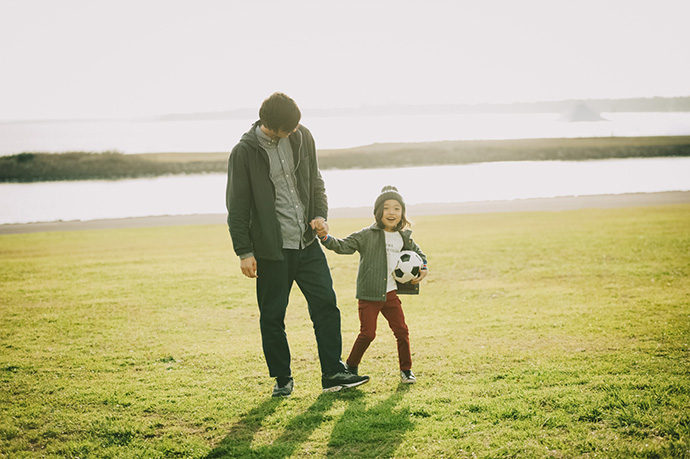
x=393, y=313
x=313, y=276
x=368, y=315
x=273, y=287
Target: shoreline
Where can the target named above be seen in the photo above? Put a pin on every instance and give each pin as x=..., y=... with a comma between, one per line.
x=110, y=165
x=555, y=204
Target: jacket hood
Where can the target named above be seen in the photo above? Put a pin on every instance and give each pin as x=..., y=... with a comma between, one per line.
x=250, y=137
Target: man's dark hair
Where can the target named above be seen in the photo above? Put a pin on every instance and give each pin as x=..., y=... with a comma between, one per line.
x=279, y=112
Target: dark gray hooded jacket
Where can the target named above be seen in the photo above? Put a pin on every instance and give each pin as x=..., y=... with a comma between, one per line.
x=250, y=194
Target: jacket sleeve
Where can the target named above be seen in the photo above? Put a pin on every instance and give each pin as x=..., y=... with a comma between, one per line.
x=238, y=201
x=320, y=198
x=318, y=186
x=347, y=246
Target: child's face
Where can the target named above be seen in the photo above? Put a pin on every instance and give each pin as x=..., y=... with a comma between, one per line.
x=392, y=213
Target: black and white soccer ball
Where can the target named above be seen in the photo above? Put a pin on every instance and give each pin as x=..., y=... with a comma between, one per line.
x=408, y=266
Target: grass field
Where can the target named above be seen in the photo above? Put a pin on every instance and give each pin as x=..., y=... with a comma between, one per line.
x=551, y=334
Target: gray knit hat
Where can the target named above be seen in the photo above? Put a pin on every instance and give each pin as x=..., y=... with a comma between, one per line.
x=388, y=192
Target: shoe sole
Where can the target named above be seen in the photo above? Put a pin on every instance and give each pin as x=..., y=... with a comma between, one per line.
x=344, y=386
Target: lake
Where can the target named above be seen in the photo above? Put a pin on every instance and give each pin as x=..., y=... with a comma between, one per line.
x=329, y=132
x=205, y=193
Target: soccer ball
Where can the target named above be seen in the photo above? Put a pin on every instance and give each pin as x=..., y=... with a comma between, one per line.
x=408, y=266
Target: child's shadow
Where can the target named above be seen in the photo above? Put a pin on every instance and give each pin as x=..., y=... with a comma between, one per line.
x=377, y=430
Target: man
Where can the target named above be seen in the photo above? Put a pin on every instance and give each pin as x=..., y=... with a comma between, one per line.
x=275, y=198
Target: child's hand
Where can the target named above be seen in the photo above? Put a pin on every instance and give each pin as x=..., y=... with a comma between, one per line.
x=321, y=227
x=422, y=275
x=322, y=231
x=317, y=223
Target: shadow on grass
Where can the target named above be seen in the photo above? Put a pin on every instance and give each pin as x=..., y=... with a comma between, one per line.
x=376, y=431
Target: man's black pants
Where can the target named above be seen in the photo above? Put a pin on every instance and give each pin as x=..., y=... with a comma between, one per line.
x=309, y=268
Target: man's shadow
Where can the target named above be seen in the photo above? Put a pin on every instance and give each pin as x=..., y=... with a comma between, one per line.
x=379, y=428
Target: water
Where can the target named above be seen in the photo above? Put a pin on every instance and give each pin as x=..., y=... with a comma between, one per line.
x=329, y=132
x=205, y=193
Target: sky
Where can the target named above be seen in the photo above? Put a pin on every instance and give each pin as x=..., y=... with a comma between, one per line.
x=130, y=58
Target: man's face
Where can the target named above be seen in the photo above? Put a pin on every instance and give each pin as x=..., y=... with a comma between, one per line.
x=281, y=133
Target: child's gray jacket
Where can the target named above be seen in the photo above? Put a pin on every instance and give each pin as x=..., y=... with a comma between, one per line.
x=372, y=275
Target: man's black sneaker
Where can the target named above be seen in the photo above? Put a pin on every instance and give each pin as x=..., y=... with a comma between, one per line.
x=342, y=380
x=283, y=387
x=350, y=369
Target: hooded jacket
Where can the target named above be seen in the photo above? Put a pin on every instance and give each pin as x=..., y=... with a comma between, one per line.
x=250, y=194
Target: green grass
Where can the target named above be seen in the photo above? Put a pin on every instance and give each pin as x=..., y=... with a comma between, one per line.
x=552, y=334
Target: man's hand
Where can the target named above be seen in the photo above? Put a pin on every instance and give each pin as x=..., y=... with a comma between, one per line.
x=422, y=275
x=248, y=267
x=321, y=227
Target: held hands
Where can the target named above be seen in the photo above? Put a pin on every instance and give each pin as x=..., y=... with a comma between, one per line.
x=321, y=227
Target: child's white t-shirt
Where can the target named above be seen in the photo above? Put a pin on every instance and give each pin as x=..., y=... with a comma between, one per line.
x=394, y=245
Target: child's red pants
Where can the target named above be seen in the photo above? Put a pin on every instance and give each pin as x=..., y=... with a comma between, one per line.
x=368, y=315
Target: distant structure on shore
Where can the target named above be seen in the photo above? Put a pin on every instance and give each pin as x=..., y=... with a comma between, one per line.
x=579, y=113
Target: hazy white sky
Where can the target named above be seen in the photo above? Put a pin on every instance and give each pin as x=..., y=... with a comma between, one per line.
x=121, y=58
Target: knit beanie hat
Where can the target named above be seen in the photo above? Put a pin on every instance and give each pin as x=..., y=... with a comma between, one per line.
x=388, y=192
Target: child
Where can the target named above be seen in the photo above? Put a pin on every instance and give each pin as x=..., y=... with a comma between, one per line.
x=379, y=247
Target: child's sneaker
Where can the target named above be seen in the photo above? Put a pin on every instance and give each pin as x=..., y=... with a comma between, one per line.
x=407, y=377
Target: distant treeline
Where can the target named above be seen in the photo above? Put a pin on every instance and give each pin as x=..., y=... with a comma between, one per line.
x=38, y=167
x=478, y=151
x=34, y=167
